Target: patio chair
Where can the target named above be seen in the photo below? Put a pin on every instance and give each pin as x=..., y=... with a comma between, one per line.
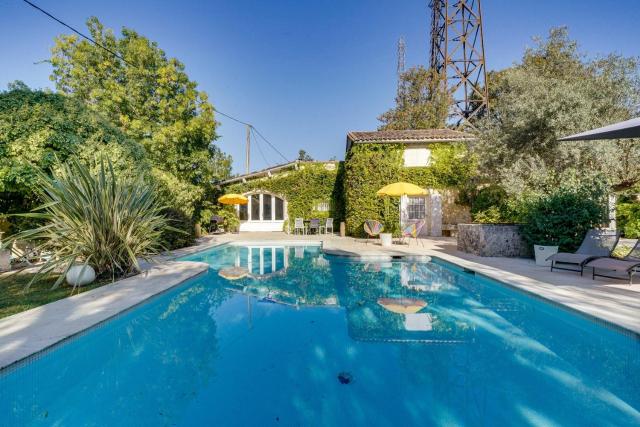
x=328, y=225
x=373, y=228
x=298, y=226
x=596, y=244
x=314, y=224
x=412, y=231
x=629, y=265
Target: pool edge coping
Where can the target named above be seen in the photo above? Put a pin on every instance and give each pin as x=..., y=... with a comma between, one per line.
x=134, y=291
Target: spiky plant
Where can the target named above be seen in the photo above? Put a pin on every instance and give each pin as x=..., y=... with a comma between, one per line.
x=94, y=218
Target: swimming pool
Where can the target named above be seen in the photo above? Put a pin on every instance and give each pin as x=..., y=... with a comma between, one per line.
x=284, y=335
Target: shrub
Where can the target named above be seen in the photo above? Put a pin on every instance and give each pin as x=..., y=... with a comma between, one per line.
x=492, y=205
x=563, y=217
x=628, y=216
x=97, y=219
x=182, y=231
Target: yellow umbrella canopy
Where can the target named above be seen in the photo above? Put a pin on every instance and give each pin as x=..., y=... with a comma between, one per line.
x=401, y=189
x=233, y=199
x=402, y=305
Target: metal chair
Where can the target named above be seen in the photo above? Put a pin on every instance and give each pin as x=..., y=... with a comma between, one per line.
x=373, y=228
x=328, y=225
x=298, y=226
x=413, y=231
x=314, y=224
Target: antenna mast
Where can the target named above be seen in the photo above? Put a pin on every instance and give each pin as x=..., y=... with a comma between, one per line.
x=457, y=53
x=402, y=46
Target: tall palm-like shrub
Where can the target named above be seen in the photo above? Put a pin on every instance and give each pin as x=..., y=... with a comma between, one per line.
x=90, y=216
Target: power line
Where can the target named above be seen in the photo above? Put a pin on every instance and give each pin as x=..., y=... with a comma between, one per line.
x=259, y=147
x=91, y=40
x=271, y=145
x=79, y=33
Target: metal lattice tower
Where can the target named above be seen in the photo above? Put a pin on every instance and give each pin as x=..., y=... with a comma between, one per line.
x=457, y=52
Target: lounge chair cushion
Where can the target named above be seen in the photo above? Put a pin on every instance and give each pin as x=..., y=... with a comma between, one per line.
x=613, y=264
x=567, y=258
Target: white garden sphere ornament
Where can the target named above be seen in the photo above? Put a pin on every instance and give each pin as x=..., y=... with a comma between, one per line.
x=80, y=275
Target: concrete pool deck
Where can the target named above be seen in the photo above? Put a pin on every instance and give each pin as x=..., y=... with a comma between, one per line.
x=32, y=331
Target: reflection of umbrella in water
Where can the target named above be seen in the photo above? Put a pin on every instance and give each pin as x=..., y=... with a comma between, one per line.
x=233, y=273
x=402, y=305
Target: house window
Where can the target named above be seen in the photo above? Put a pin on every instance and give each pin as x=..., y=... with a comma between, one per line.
x=415, y=208
x=279, y=209
x=416, y=157
x=323, y=206
x=255, y=207
x=266, y=207
x=243, y=212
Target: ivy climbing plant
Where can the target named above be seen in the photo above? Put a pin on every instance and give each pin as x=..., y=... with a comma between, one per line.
x=369, y=167
x=303, y=190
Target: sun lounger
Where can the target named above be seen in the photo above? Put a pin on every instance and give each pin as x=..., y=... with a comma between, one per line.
x=628, y=265
x=596, y=244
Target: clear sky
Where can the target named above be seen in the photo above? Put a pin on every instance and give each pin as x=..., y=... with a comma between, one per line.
x=303, y=72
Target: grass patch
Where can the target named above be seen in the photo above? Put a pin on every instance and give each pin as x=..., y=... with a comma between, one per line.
x=14, y=298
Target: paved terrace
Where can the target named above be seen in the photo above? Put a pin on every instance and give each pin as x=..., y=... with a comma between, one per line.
x=611, y=300
x=29, y=332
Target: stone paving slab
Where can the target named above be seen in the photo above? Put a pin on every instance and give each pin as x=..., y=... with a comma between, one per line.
x=34, y=330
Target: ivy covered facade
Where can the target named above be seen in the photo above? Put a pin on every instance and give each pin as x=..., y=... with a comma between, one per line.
x=436, y=160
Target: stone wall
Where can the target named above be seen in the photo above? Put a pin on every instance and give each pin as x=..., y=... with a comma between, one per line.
x=492, y=240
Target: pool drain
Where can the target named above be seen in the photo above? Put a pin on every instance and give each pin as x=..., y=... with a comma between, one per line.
x=345, y=377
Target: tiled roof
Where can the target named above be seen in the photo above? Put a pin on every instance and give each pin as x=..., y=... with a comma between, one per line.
x=408, y=136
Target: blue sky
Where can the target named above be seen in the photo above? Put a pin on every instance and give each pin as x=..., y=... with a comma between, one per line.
x=303, y=72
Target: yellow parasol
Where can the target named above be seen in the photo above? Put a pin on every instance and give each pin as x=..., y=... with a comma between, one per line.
x=402, y=305
x=233, y=199
x=233, y=273
x=401, y=189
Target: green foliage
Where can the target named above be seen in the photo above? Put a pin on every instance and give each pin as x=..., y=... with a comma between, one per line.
x=182, y=231
x=153, y=101
x=102, y=220
x=369, y=167
x=492, y=205
x=555, y=91
x=628, y=217
x=421, y=102
x=303, y=189
x=564, y=216
x=304, y=156
x=38, y=131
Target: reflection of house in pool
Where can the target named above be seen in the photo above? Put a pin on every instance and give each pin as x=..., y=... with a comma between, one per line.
x=394, y=311
x=264, y=262
x=271, y=279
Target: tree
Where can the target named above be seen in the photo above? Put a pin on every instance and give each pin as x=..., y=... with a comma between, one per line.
x=40, y=130
x=421, y=103
x=302, y=155
x=151, y=99
x=555, y=91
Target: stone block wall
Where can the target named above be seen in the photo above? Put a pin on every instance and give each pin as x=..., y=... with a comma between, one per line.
x=492, y=240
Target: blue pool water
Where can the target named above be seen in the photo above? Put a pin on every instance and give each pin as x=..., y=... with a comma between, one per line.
x=310, y=339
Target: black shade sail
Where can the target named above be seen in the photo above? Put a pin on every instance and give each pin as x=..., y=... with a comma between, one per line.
x=626, y=129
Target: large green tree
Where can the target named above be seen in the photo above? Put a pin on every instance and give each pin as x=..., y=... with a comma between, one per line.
x=421, y=102
x=150, y=98
x=39, y=130
x=556, y=90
